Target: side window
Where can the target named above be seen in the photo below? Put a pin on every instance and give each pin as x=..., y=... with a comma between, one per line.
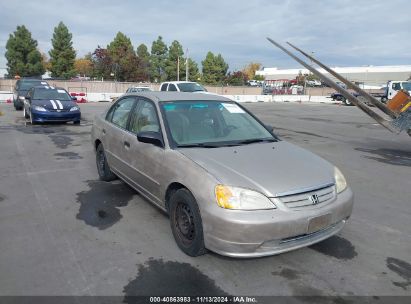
x=145, y=119
x=172, y=87
x=163, y=87
x=119, y=114
x=396, y=86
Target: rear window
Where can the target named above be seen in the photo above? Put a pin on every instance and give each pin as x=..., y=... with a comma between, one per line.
x=27, y=84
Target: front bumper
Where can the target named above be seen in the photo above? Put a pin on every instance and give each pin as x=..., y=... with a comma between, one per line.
x=246, y=234
x=55, y=116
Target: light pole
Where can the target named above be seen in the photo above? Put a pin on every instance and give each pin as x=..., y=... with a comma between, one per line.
x=178, y=68
x=186, y=64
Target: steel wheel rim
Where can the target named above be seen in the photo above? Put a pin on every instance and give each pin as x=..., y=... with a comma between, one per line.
x=184, y=223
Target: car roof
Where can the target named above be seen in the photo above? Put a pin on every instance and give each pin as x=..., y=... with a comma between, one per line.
x=49, y=87
x=159, y=96
x=177, y=82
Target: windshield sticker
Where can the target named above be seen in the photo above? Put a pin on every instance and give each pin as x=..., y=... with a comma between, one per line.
x=169, y=107
x=232, y=108
x=61, y=91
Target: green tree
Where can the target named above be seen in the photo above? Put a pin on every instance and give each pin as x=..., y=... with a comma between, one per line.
x=143, y=69
x=175, y=58
x=62, y=55
x=124, y=58
x=158, y=60
x=214, y=69
x=22, y=56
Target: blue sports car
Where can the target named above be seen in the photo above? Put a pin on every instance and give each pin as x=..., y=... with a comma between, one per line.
x=46, y=103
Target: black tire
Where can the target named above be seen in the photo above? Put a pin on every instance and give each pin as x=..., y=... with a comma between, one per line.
x=346, y=101
x=31, y=119
x=103, y=168
x=25, y=115
x=186, y=224
x=76, y=122
x=384, y=99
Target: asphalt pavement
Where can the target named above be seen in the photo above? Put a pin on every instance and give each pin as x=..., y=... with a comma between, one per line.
x=63, y=232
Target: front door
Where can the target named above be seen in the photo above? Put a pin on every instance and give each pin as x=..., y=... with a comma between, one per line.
x=145, y=160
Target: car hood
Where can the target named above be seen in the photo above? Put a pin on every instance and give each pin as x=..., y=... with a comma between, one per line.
x=270, y=168
x=54, y=104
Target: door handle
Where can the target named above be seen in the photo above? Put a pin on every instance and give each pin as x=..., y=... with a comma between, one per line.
x=126, y=144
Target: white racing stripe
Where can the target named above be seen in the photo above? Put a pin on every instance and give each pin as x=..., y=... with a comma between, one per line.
x=60, y=105
x=53, y=104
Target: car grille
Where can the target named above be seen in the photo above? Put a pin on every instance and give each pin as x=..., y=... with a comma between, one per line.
x=319, y=196
x=59, y=111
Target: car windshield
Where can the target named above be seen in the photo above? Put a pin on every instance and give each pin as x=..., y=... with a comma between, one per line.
x=406, y=86
x=191, y=87
x=26, y=85
x=44, y=93
x=212, y=124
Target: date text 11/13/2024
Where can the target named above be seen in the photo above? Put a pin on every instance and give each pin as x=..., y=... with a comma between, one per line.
x=203, y=299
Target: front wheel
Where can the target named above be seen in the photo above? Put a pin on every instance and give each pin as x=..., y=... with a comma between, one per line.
x=25, y=115
x=186, y=224
x=31, y=119
x=346, y=101
x=103, y=168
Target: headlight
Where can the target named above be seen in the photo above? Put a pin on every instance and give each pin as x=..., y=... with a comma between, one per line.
x=74, y=109
x=340, y=181
x=40, y=109
x=242, y=199
x=22, y=97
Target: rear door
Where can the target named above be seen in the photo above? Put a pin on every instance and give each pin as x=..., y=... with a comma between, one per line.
x=145, y=160
x=113, y=132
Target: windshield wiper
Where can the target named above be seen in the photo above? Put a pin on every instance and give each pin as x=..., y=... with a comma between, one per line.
x=199, y=145
x=256, y=140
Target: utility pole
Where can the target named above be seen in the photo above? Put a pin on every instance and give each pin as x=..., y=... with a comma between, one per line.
x=178, y=68
x=187, y=64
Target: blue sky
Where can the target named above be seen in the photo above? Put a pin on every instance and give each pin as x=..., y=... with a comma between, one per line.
x=340, y=33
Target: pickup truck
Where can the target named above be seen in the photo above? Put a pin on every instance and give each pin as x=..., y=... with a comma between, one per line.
x=393, y=87
x=337, y=96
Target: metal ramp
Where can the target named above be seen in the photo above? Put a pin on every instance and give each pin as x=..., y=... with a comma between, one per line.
x=395, y=120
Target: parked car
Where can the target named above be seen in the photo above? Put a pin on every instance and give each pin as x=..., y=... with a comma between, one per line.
x=228, y=183
x=50, y=104
x=138, y=89
x=21, y=88
x=182, y=86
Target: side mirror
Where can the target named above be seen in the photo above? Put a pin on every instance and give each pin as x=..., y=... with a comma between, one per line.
x=150, y=137
x=269, y=128
x=74, y=98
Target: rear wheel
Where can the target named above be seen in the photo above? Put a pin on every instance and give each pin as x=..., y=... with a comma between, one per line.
x=103, y=168
x=186, y=224
x=76, y=122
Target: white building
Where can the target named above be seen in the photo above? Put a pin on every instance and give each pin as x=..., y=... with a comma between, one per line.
x=372, y=75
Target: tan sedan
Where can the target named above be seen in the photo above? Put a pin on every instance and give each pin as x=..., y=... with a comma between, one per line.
x=228, y=183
